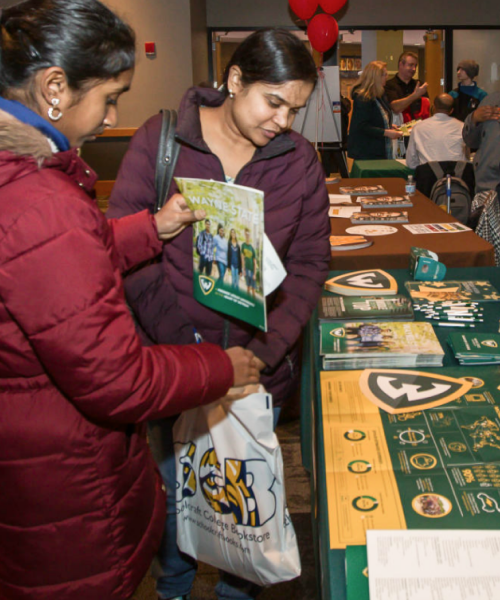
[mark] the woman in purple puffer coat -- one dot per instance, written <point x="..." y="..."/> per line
<point x="243" y="135"/>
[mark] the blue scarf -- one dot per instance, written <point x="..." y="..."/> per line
<point x="387" y="125"/>
<point x="26" y="115"/>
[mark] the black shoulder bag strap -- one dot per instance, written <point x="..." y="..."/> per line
<point x="168" y="151"/>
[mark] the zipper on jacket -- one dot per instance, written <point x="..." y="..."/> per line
<point x="225" y="334"/>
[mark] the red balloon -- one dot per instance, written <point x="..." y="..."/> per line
<point x="331" y="6"/>
<point x="304" y="9"/>
<point x="322" y="31"/>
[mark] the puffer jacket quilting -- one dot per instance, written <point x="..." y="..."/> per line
<point x="81" y="508"/>
<point x="296" y="222"/>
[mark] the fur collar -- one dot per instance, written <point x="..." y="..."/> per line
<point x="22" y="139"/>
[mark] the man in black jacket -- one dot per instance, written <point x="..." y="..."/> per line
<point x="402" y="90"/>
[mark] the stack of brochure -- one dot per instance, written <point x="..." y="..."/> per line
<point x="452" y="291"/>
<point x="362" y="190"/>
<point x="349" y="242"/>
<point x="372" y="344"/>
<point x="363" y="308"/>
<point x="475" y="348"/>
<point x="385" y="216"/>
<point x="385" y="202"/>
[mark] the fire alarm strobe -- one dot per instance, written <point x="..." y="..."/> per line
<point x="150" y="48"/>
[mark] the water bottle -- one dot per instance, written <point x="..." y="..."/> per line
<point x="410" y="186"/>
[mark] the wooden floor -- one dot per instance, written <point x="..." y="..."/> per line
<point x="297" y="485"/>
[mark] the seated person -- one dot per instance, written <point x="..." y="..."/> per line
<point x="438" y="138"/>
<point x="467" y="96"/>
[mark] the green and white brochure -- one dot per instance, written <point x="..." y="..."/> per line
<point x="228" y="248"/>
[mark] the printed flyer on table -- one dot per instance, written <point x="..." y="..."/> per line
<point x="434" y="468"/>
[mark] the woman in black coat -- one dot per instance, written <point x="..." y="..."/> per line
<point x="371" y="131"/>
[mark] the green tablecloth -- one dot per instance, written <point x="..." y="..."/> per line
<point x="330" y="564"/>
<point x="380" y="168"/>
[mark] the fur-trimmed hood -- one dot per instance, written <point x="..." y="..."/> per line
<point x="23" y="139"/>
<point x="24" y="149"/>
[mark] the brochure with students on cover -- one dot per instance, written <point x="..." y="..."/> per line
<point x="228" y="248"/>
<point x="386" y="216"/>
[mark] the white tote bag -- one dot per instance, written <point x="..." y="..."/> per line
<point x="231" y="507"/>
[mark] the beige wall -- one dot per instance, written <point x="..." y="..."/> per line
<point x="484" y="48"/>
<point x="199" y="43"/>
<point x="161" y="81"/>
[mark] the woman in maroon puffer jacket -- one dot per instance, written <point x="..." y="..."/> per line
<point x="81" y="502"/>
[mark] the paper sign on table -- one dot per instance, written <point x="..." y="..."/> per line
<point x="343" y="212"/>
<point x="423" y="228"/>
<point x="444" y="564"/>
<point x="339" y="199"/>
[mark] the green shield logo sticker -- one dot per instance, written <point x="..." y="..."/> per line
<point x="207" y="284"/>
<point x="370" y="282"/>
<point x="397" y="391"/>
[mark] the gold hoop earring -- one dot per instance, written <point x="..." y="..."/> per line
<point x="55" y="106"/>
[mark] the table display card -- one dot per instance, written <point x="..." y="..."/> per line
<point x="423" y="228"/>
<point x="343" y="212"/>
<point x="444" y="564"/>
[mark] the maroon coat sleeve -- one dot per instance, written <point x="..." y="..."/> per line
<point x="60" y="286"/>
<point x="306" y="262"/>
<point x="135" y="239"/>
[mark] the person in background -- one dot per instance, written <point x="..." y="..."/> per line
<point x="404" y="93"/>
<point x="467" y="96"/>
<point x="205" y="248"/>
<point x="241" y="134"/>
<point x="438" y="138"/>
<point x="371" y="131"/>
<point x="482" y="131"/>
<point x="220" y="246"/>
<point x="82" y="506"/>
<point x="234" y="259"/>
<point x="250" y="259"/>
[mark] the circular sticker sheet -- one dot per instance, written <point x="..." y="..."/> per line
<point x="372" y="230"/>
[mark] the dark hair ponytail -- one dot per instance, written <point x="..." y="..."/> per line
<point x="273" y="56"/>
<point x="83" y="37"/>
